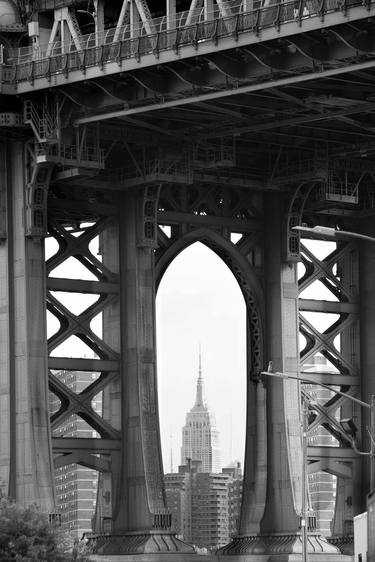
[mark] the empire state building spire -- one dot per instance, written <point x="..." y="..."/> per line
<point x="200" y="436"/>
<point x="199" y="398"/>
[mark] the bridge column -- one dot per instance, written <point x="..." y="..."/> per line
<point x="349" y="502"/>
<point x="367" y="330"/>
<point x="26" y="468"/>
<point x="141" y="520"/>
<point x="280" y="526"/>
<point x="367" y="327"/>
<point x="109" y="484"/>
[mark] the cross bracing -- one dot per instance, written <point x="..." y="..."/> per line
<point x="245" y="121"/>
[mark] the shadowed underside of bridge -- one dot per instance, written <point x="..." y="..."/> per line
<point x="150" y="128"/>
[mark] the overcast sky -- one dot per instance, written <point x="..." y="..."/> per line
<point x="200" y="303"/>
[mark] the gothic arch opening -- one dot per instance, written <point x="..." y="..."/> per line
<point x="199" y="303"/>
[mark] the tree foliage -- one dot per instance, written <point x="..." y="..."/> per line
<point x="27" y="536"/>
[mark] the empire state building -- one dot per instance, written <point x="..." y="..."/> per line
<point x="200" y="436"/>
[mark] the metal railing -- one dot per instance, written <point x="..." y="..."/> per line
<point x="154" y="167"/>
<point x="27" y="64"/>
<point x="125" y="32"/>
<point x="324" y="164"/>
<point x="214" y="157"/>
<point x="72" y="153"/>
<point x="300" y="166"/>
<point x="338" y="190"/>
<point x="53" y="4"/>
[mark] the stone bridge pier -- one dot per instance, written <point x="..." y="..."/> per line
<point x="138" y="523"/>
<point x="129" y="131"/>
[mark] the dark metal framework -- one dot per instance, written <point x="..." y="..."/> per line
<point x="339" y="345"/>
<point x="204" y="122"/>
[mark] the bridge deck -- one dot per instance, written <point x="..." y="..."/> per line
<point x="129" y="48"/>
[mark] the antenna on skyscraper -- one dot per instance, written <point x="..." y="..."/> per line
<point x="199" y="399"/>
<point x="171" y="436"/>
<point x="230" y="439"/>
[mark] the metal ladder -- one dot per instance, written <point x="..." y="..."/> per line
<point x="44" y="127"/>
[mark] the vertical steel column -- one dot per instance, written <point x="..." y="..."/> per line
<point x="367" y="331"/>
<point x="141" y="520"/>
<point x="135" y="20"/>
<point x="348" y="500"/>
<point x="110" y="483"/>
<point x="280" y="526"/>
<point x="7" y="405"/>
<point x="143" y="470"/>
<point x="99" y="22"/>
<point x="284" y="488"/>
<point x="171" y="14"/>
<point x="255" y="477"/>
<point x="26" y="459"/>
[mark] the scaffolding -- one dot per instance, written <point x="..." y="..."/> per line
<point x="340" y="187"/>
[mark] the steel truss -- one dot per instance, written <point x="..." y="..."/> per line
<point x="339" y="345"/>
<point x="207" y="127"/>
<point x="73" y="242"/>
<point x="221" y="212"/>
<point x="192" y="213"/>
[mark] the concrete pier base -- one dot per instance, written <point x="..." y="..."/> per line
<point x="280" y="547"/>
<point x="141" y="544"/>
<point x="321" y="557"/>
<point x="155" y="557"/>
<point x="177" y="557"/>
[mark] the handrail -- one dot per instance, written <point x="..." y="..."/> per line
<point x="152" y="167"/>
<point x="72" y="152"/>
<point x="97" y="50"/>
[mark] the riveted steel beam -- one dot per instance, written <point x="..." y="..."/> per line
<point x="337" y="453"/>
<point x="79" y="364"/>
<point x="64" y="445"/>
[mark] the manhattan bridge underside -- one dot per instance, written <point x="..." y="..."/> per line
<point x="149" y="127"/>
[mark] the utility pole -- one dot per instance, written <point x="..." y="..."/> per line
<point x="304" y="518"/>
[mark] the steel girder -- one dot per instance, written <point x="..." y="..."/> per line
<point x="224" y="34"/>
<point x="335" y="338"/>
<point x="105" y="360"/>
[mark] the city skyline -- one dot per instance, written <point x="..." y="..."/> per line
<point x="199" y="303"/>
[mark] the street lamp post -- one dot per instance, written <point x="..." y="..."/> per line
<point x="370" y="453"/>
<point x="327" y="233"/>
<point x="372" y="437"/>
<point x="304" y="517"/>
